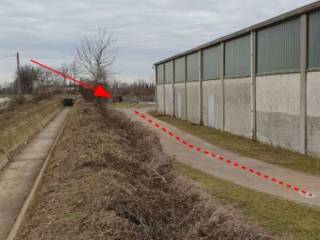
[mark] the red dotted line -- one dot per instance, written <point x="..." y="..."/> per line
<point x="221" y="158"/>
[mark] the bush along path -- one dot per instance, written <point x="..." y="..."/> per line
<point x="109" y="179"/>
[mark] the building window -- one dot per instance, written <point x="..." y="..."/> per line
<point x="193" y="67"/>
<point x="314" y="40"/>
<point x="212" y="63"/>
<point x="169" y="72"/>
<point x="278" y="48"/>
<point x="237" y="57"/>
<point x="179" y="70"/>
<point x="160" y="74"/>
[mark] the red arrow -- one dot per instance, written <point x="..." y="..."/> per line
<point x="99" y="90"/>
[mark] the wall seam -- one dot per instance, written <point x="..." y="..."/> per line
<point x="303" y="84"/>
<point x="253" y="87"/>
<point x="173" y="90"/>
<point x="200" y="87"/>
<point x="164" y="89"/>
<point x="185" y="87"/>
<point x="156" y="86"/>
<point x="222" y="85"/>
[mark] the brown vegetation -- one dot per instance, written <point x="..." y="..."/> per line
<point x="109" y="179"/>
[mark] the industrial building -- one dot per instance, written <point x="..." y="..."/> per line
<point x="262" y="82"/>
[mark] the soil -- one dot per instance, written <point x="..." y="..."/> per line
<point x="109" y="179"/>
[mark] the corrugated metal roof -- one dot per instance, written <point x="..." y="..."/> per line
<point x="308" y="8"/>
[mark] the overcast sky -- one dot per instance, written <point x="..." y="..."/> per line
<point x="146" y="30"/>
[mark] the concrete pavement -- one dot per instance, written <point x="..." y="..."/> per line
<point x="18" y="176"/>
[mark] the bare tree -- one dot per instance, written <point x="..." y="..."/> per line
<point x="27" y="77"/>
<point x="74" y="69"/>
<point x="65" y="70"/>
<point x="96" y="55"/>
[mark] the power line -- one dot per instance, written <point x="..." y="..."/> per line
<point x="8" y="56"/>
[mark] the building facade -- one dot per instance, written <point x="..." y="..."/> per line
<point x="262" y="82"/>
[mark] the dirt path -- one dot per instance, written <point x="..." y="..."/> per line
<point x="17" y="178"/>
<point x="266" y="177"/>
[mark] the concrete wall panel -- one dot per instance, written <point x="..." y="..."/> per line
<point x="278" y="109"/>
<point x="237" y="106"/>
<point x="313" y="113"/>
<point x="212" y="88"/>
<point x="179" y="89"/>
<point x="169" y="99"/>
<point x="160" y="98"/>
<point x="193" y="104"/>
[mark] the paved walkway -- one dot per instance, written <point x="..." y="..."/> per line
<point x="244" y="171"/>
<point x="18" y="176"/>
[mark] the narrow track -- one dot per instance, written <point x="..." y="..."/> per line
<point x="18" y="178"/>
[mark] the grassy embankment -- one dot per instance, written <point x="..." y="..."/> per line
<point x="276" y="215"/>
<point x="19" y="124"/>
<point x="246" y="147"/>
<point x="130" y="105"/>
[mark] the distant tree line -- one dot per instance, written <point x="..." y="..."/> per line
<point x="140" y="87"/>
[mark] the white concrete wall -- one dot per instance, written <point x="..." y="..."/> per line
<point x="193" y="102"/>
<point x="179" y="89"/>
<point x="313" y="113"/>
<point x="278" y="109"/>
<point x="169" y="99"/>
<point x="160" y="98"/>
<point x="277" y="103"/>
<point x="212" y="88"/>
<point x="238" y="106"/>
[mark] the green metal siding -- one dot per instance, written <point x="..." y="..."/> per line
<point x="169" y="72"/>
<point x="193" y="67"/>
<point x="179" y="70"/>
<point x="237" y="57"/>
<point x="212" y="63"/>
<point x="314" y="40"/>
<point x="278" y="48"/>
<point x="160" y="74"/>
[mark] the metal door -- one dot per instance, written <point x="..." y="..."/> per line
<point x="179" y="105"/>
<point x="211" y="111"/>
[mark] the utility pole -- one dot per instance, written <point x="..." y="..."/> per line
<point x="19" y="90"/>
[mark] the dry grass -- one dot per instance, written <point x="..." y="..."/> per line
<point x="247" y="147"/>
<point x="9" y="117"/>
<point x="277" y="215"/>
<point x="131" y="105"/>
<point x="109" y="179"/>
